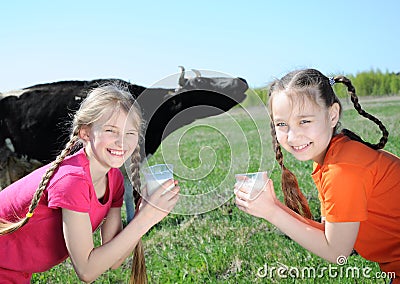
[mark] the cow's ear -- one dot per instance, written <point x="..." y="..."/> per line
<point x="84" y="133"/>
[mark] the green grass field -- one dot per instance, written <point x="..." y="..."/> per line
<point x="207" y="239"/>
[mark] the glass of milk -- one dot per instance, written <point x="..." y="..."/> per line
<point x="156" y="175"/>
<point x="252" y="181"/>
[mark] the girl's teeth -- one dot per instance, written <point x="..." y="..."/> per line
<point x="300" y="147"/>
<point x="118" y="153"/>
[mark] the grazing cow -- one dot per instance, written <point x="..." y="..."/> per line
<point x="36" y="119"/>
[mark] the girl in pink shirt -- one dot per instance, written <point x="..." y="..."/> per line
<point x="78" y="193"/>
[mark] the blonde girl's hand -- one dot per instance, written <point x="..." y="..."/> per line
<point x="261" y="204"/>
<point x="161" y="202"/>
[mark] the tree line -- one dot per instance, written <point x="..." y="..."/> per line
<point x="367" y="83"/>
<point x="372" y="83"/>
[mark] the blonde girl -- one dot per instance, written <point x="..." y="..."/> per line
<point x="358" y="183"/>
<point x="51" y="214"/>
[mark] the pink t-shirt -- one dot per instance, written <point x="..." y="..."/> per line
<point x="39" y="245"/>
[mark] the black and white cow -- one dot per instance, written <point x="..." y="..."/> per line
<point x="36" y="119"/>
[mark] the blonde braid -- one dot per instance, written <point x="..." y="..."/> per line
<point x="50" y="171"/>
<point x="138" y="272"/>
<point x="135" y="176"/>
<point x="6" y="228"/>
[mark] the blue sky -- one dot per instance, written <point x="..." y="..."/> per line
<point x="145" y="41"/>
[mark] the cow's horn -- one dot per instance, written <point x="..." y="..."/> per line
<point x="182" y="80"/>
<point x="197" y="72"/>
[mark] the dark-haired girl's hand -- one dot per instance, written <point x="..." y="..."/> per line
<point x="262" y="205"/>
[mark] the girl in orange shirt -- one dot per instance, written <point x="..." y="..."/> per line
<point x="358" y="183"/>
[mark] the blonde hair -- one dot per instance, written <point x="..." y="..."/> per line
<point x="97" y="103"/>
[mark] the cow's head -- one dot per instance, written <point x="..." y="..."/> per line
<point x="195" y="98"/>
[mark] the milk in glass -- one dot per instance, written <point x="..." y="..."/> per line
<point x="156" y="175"/>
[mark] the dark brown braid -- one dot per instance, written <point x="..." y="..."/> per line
<point x="293" y="197"/>
<point x="138" y="273"/>
<point x="352" y="92"/>
<point x="11" y="227"/>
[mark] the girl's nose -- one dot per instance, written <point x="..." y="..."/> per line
<point x="292" y="134"/>
<point x="119" y="140"/>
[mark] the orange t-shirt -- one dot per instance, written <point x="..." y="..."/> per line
<point x="358" y="184"/>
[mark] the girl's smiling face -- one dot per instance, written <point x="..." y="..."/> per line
<point x="303" y="127"/>
<point x="111" y="140"/>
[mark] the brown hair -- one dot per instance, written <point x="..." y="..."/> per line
<point x="97" y="103"/>
<point x="318" y="88"/>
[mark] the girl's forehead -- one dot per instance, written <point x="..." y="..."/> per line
<point x="108" y="115"/>
<point x="285" y="103"/>
<point x="116" y="118"/>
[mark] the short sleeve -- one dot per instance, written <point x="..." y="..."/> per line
<point x="321" y="201"/>
<point x="70" y="192"/>
<point x="344" y="193"/>
<point x="118" y="188"/>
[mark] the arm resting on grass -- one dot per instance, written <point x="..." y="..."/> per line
<point x="337" y="239"/>
<point x="327" y="240"/>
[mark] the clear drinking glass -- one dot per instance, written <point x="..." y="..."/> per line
<point x="156" y="175"/>
<point x="252" y="181"/>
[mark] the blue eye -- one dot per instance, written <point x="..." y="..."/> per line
<point x="304" y="121"/>
<point x="280" y="124"/>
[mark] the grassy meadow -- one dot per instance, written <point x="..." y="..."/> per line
<point x="207" y="239"/>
